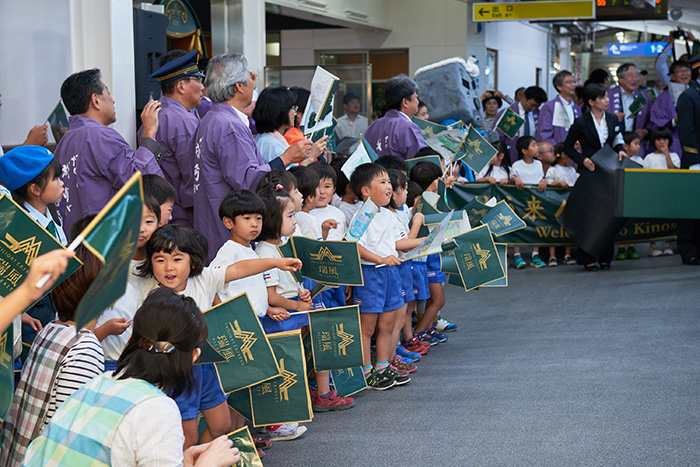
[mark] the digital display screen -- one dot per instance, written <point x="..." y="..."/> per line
<point x="617" y="10"/>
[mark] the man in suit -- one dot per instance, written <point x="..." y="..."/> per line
<point x="622" y="97"/>
<point x="527" y="108"/>
<point x="688" y="108"/>
<point x="557" y="115"/>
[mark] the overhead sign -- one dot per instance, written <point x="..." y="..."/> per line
<point x="635" y="49"/>
<point x="580" y="9"/>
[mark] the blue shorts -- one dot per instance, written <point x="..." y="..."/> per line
<point x="382" y="290"/>
<point x="334" y="298"/>
<point x="406" y="274"/>
<point x="434" y="274"/>
<point x="421" y="291"/>
<point x="206" y="393"/>
<point x="295" y="321"/>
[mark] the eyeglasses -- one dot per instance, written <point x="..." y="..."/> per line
<point x="196" y="78"/>
<point x="155" y="347"/>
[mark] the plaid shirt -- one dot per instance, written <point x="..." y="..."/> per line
<point x="32" y="398"/>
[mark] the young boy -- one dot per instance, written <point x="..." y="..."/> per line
<point x="528" y="171"/>
<point x="381" y="297"/>
<point x="307" y="184"/>
<point x="164" y="193"/>
<point x="345" y="198"/>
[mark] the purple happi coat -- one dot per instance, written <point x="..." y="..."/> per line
<point x="395" y="135"/>
<point x="663" y="113"/>
<point x="546" y="131"/>
<point x="95" y="163"/>
<point x="640" y="120"/>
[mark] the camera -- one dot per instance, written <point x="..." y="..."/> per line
<point x="679" y="33"/>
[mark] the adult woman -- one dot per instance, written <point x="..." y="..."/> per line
<point x="594" y="130"/>
<point x="126" y="418"/>
<point x="490" y="103"/>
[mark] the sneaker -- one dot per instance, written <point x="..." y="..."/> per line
<point x="536" y="262"/>
<point x="621" y="254"/>
<point x="654" y="252"/>
<point x="261" y="454"/>
<point x="405" y="360"/>
<point x="569" y="261"/>
<point x="518" y="262"/>
<point x="425" y="337"/>
<point x="402" y="351"/>
<point x="402" y="366"/>
<point x="445" y="326"/>
<point x="334" y="401"/>
<point x="415" y="345"/>
<point x="438" y="335"/>
<point x="552" y="263"/>
<point x="379" y="381"/>
<point x="632" y="253"/>
<point x="286" y="432"/>
<point x="399" y="380"/>
<point x="262" y="444"/>
<point x="668" y="249"/>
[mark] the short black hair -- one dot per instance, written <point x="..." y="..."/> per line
<point x="501" y="148"/>
<point x="629" y="136"/>
<point x="398" y="180"/>
<point x="537" y="93"/>
<point x="414" y="190"/>
<point x="491" y="97"/>
<point x="169" y="237"/>
<point x="392" y="162"/>
<point x="275" y="199"/>
<point x="597" y="76"/>
<point x="324" y="171"/>
<point x="50" y="172"/>
<point x="341" y="181"/>
<point x="559" y="149"/>
<point x="593" y="91"/>
<point x="240" y="202"/>
<point x="679" y="64"/>
<point x="661" y="133"/>
<point x="79" y="226"/>
<point x="397" y="89"/>
<point x="272" y="109"/>
<point x="78" y="88"/>
<point x="279" y="177"/>
<point x="425" y="173"/>
<point x="350" y="96"/>
<point x="363" y="176"/>
<point x="158" y="187"/>
<point x="301" y="97"/>
<point x="522" y="144"/>
<point x="169" y="87"/>
<point x="153" y="205"/>
<point x="307" y="180"/>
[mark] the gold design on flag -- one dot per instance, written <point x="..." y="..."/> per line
<point x="511" y="120"/>
<point x="561" y="209"/>
<point x="428" y="131"/>
<point x="5" y="357"/>
<point x="288" y="380"/>
<point x="476" y="146"/>
<point x="506" y="219"/>
<point x="325" y="252"/>
<point x="534" y="206"/>
<point x="346" y="338"/>
<point x="246" y="337"/>
<point x="484" y="256"/>
<point x="29" y="246"/>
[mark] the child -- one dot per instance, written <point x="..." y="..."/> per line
<point x="380" y="299"/>
<point x="561" y="174"/>
<point x="661" y="159"/>
<point x="631" y="146"/>
<point x="345" y="198"/>
<point x="289" y="183"/>
<point x="528" y="171"/>
<point x="175" y="258"/>
<point x="164" y="194"/>
<point x="546" y="155"/>
<point x="498" y="170"/>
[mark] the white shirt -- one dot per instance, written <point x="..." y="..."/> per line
<point x="569" y="108"/>
<point x="658" y="161"/>
<point x="530" y="174"/>
<point x="331" y="212"/>
<point x="627" y="100"/>
<point x="283" y="281"/>
<point x="232" y="252"/>
<point x="497" y="172"/>
<point x="531" y="119"/>
<point x="44" y="219"/>
<point x="402" y="227"/>
<point x="307" y="226"/>
<point x="381" y="235"/>
<point x="203" y="287"/>
<point x="242" y="116"/>
<point x="345" y="127"/>
<point x="559" y="173"/>
<point x="349" y="210"/>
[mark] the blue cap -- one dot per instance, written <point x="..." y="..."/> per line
<point x="179" y="68"/>
<point x="23" y="164"/>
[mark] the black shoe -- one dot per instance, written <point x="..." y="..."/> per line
<point x="399" y="380"/>
<point x="379" y="381"/>
<point x="592" y="267"/>
<point x="604" y="266"/>
<point x="692" y="261"/>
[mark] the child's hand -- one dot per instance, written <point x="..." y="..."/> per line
<point x="348" y="293"/>
<point x="563" y="184"/>
<point x="503" y="181"/>
<point x="289" y="264"/>
<point x="302" y="305"/>
<point x="518" y="183"/>
<point x="33" y="322"/>
<point x="542" y="185"/>
<point x="114" y="327"/>
<point x="450" y="181"/>
<point x="491" y="180"/>
<point x="329" y="224"/>
<point x="305" y="295"/>
<point x="390" y="260"/>
<point x="277" y="313"/>
<point x="622" y="154"/>
<point x="418" y="218"/>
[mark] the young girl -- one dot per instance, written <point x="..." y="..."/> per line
<point x="175" y="258"/>
<point x="561" y="174"/>
<point x="661" y="159"/>
<point x="631" y="146"/>
<point x="498" y="170"/>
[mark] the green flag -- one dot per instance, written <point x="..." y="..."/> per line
<point x="22" y="239"/>
<point x="58" y="121"/>
<point x="112" y="236"/>
<point x="7" y="374"/>
<point x="364" y="154"/>
<point x="477" y="210"/>
<point x="246" y="446"/>
<point x="241" y="403"/>
<point x="237" y="345"/>
<point x="348" y="381"/>
<point x="454" y="279"/>
<point x="478" y="152"/>
<point x="477" y="259"/>
<point x="284" y="399"/>
<point x="435" y="159"/>
<point x="637" y="104"/>
<point x="329" y="262"/>
<point x="510" y="123"/>
<point x="427" y="128"/>
<point x="502" y="249"/>
<point x="287" y="251"/>
<point x="502" y="220"/>
<point x="308" y="353"/>
<point x="336" y="338"/>
<point x="320" y="103"/>
<point x="447" y="143"/>
<point x="441" y="203"/>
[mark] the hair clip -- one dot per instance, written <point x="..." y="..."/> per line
<point x="155" y="347"/>
<point x="279" y="187"/>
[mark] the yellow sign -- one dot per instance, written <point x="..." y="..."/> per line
<point x="580" y="9"/>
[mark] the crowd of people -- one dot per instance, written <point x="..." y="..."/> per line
<point x="226" y="181"/>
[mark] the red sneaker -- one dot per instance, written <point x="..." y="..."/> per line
<point x="414" y="345"/>
<point x="334" y="401"/>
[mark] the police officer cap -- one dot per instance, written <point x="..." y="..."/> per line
<point x="23" y="164"/>
<point x="179" y="68"/>
<point x="695" y="61"/>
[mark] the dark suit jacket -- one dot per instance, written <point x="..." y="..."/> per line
<point x="583" y="130"/>
<point x="688" y="109"/>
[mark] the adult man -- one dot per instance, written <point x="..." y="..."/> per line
<point x="528" y="109"/>
<point x="557" y="115"/>
<point x="96" y="161"/>
<point x="689" y="133"/>
<point x="352" y="124"/>
<point x="663" y="111"/>
<point x="181" y="84"/>
<point x="395" y="134"/>
<point x="226" y="156"/>
<point x="622" y="96"/>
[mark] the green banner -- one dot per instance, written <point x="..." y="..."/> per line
<point x="22" y="239"/>
<point x="428" y="129"/>
<point x="246" y="446"/>
<point x="284" y="399"/>
<point x="237" y="345"/>
<point x="637" y="104"/>
<point x="539" y="211"/>
<point x="112" y="237"/>
<point x="336" y="338"/>
<point x="308" y="353"/>
<point x="7" y="374"/>
<point x="477" y="259"/>
<point x="502" y="220"/>
<point x="330" y="262"/>
<point x="478" y="152"/>
<point x="241" y="403"/>
<point x="435" y="159"/>
<point x="510" y="123"/>
<point x="348" y="381"/>
<point x="58" y="121"/>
